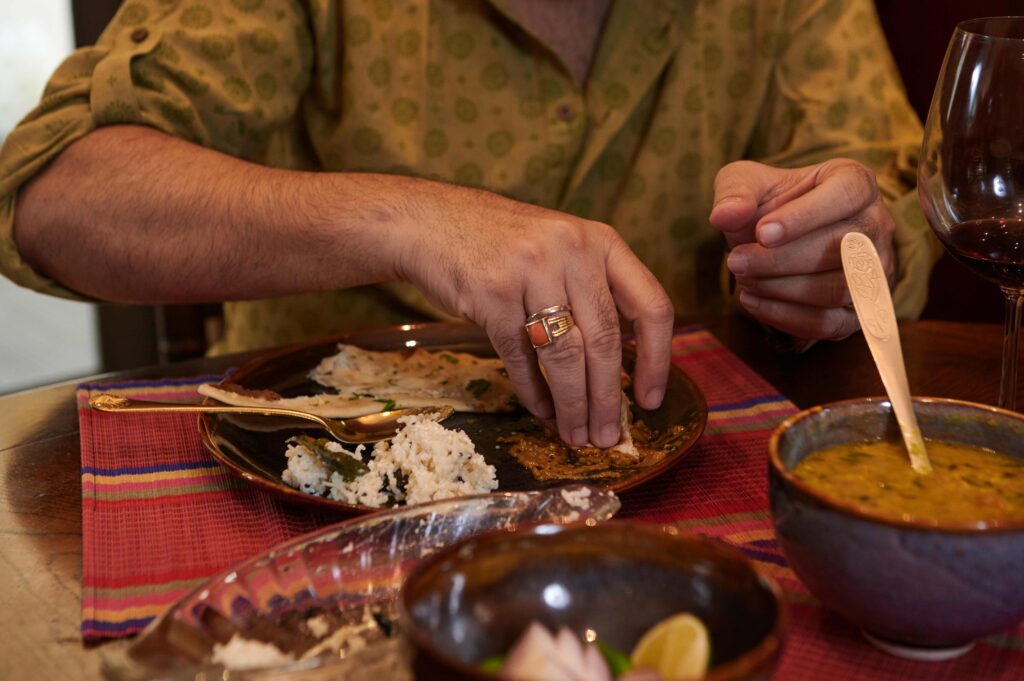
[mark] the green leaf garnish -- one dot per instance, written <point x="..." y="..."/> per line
<point x="492" y="665"/>
<point x="478" y="386"/>
<point x="448" y="358"/>
<point x="342" y="464"/>
<point x="389" y="405"/>
<point x="618" y="662"/>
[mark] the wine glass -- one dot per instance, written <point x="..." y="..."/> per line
<point x="971" y="175"/>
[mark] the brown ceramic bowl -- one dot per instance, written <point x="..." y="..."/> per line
<point x="918" y="587"/>
<point x="473" y="600"/>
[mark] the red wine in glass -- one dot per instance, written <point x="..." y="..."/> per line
<point x="971" y="173"/>
<point x="993" y="248"/>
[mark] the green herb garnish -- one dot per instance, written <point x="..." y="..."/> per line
<point x="492" y="665"/>
<point x="618" y="662"/>
<point x="344" y="465"/>
<point x="478" y="386"/>
<point x="389" y="405"/>
<point x="448" y="358"/>
<point x="856" y="457"/>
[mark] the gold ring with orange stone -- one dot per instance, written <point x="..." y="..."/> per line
<point x="544" y="326"/>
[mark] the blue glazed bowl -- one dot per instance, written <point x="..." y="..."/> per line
<point x="912" y="584"/>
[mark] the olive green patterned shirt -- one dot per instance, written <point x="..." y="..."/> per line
<point x="458" y="91"/>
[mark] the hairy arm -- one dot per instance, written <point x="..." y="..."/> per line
<point x="130" y="214"/>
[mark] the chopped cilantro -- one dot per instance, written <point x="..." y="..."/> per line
<point x="478" y="386"/>
<point x="448" y="358"/>
<point x="389" y="405"/>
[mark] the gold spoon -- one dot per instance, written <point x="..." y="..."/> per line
<point x="871" y="299"/>
<point x="356" y="430"/>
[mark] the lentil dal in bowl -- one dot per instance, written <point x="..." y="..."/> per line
<point x="919" y="585"/>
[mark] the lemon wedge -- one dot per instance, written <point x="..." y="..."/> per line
<point x="678" y="647"/>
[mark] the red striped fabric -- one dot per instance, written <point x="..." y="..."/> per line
<point x="160" y="516"/>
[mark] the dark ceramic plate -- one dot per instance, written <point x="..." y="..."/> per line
<point x="258" y="457"/>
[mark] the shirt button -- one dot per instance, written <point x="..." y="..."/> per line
<point x="139" y="34"/>
<point x="565" y="112"/>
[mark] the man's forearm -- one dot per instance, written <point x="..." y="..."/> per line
<point x="129" y="214"/>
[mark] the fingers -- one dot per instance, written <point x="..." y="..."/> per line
<point x="785" y="229"/>
<point x="841" y="191"/>
<point x="516" y="352"/>
<point x="583" y="366"/>
<point x="598" y="320"/>
<point x="827" y="289"/>
<point x="816" y="251"/>
<point x="563" y="362"/>
<point x="743" y="190"/>
<point x="642" y="300"/>
<point x="802" y="321"/>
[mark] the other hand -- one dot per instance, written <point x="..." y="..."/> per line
<point x="785" y="227"/>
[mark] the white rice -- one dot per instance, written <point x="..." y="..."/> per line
<point x="434" y="462"/>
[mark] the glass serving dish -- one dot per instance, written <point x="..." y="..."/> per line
<point x="329" y="599"/>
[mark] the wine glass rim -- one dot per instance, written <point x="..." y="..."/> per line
<point x="975" y="26"/>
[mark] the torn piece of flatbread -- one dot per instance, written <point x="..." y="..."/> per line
<point x="625" y="445"/>
<point x="367" y="382"/>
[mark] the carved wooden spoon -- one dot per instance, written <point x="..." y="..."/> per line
<point x="871" y="299"/>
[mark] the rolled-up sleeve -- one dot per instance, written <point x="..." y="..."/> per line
<point x="229" y="75"/>
<point x="835" y="92"/>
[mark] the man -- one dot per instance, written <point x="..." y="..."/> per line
<point x="181" y="159"/>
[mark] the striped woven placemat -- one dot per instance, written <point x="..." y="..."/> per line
<point x="160" y="516"/>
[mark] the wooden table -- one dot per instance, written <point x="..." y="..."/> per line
<point x="40" y="486"/>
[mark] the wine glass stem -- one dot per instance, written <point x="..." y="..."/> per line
<point x="1011" y="335"/>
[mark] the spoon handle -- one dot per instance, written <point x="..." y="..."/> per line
<point x="116" y="403"/>
<point x="869" y="290"/>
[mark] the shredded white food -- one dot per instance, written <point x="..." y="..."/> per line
<point x="578" y="498"/>
<point x="243" y="653"/>
<point x="423" y="462"/>
<point x="348" y="639"/>
<point x="319" y="626"/>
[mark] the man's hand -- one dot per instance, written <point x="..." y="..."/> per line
<point x="496" y="261"/>
<point x="785" y="227"/>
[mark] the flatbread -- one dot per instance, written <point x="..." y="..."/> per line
<point x="367" y="382"/>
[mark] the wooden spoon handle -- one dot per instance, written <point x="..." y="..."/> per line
<point x="870" y="292"/>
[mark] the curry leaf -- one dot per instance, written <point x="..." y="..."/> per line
<point x="349" y="468"/>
